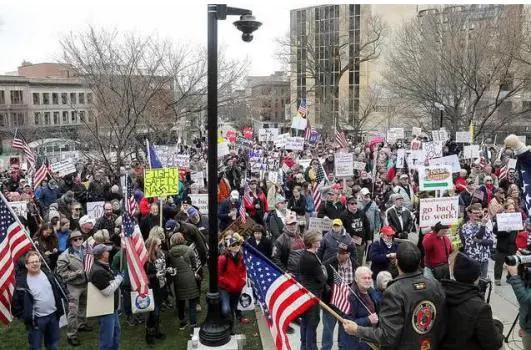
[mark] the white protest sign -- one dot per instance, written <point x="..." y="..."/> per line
<point x="20" y="208"/>
<point x="198" y="178"/>
<point x="443" y="209"/>
<point x="522" y="138"/>
<point x="415" y="158"/>
<point x="400" y="158"/>
<point x="295" y="143"/>
<point x="304" y="163"/>
<point x="511" y="163"/>
<point x="223" y="149"/>
<point x="344" y="166"/>
<point x="394" y="134"/>
<point x="280" y="140"/>
<point x="200" y="201"/>
<point x="64" y="167"/>
<point x="320" y="224"/>
<point x="435" y="177"/>
<point x="451" y="160"/>
<point x="182" y="161"/>
<point x="273" y="177"/>
<point x="299" y="123"/>
<point x="463" y="137"/>
<point x="267" y="134"/>
<point x="169" y="156"/>
<point x="432" y="149"/>
<point x="471" y="152"/>
<point x="509" y="222"/>
<point x="439" y="135"/>
<point x="95" y="209"/>
<point x="416" y="131"/>
<point x="359" y="165"/>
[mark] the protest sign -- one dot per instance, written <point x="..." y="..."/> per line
<point x="439" y="135"/>
<point x="242" y="142"/>
<point x="435" y="177"/>
<point x="314" y="137"/>
<point x="416" y="131"/>
<point x="169" y="156"/>
<point x="522" y="138"/>
<point x="64" y="167"/>
<point x="415" y="158"/>
<point x="463" y="137"/>
<point x="400" y="158"/>
<point x="20" y="208"/>
<point x="223" y="149"/>
<point x="443" y="209"/>
<point x="432" y="149"/>
<point x="305" y="163"/>
<point x="200" y="201"/>
<point x="320" y="224"/>
<point x="394" y="134"/>
<point x="267" y="134"/>
<point x="299" y="123"/>
<point x="198" y="178"/>
<point x="511" y="163"/>
<point x="344" y="166"/>
<point x="508" y="222"/>
<point x="273" y="177"/>
<point x="97" y="303"/>
<point x="471" y="152"/>
<point x="247" y="132"/>
<point x="161" y="182"/>
<point x="452" y="161"/>
<point x="280" y="140"/>
<point x="230" y="135"/>
<point x="359" y="165"/>
<point x="95" y="209"/>
<point x="295" y="143"/>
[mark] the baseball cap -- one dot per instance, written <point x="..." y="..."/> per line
<point x="365" y="191"/>
<point x="351" y="200"/>
<point x="337" y="222"/>
<point x="396" y="196"/>
<point x="387" y="230"/>
<point x="85" y="219"/>
<point x="100" y="248"/>
<point x="291" y="219"/>
<point x="187" y="200"/>
<point x="192" y="211"/>
<point x="280" y="198"/>
<point x="172" y="225"/>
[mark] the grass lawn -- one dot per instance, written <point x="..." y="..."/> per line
<point x="15" y="337"/>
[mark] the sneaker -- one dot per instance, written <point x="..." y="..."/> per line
<point x="73" y="341"/>
<point x="497" y="282"/>
<point x="183" y="325"/>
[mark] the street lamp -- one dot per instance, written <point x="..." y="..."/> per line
<point x="215" y="331"/>
<point x="441" y="109"/>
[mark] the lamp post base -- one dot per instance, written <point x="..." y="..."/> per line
<point x="215" y="331"/>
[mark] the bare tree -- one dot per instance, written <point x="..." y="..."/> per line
<point x="464" y="61"/>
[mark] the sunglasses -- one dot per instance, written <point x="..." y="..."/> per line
<point x="77" y="239"/>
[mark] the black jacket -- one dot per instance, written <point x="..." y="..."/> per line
<point x="101" y="276"/>
<point x="407" y="220"/>
<point x="412" y="313"/>
<point x="312" y="273"/>
<point x="298" y="206"/>
<point x="470" y="325"/>
<point x="265" y="246"/>
<point x="357" y="224"/>
<point x="331" y="210"/>
<point x="506" y="241"/>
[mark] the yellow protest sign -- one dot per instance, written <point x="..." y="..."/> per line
<point x="161" y="182"/>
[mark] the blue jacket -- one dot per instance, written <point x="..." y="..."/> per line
<point x="360" y="315"/>
<point x="223" y="213"/>
<point x="523" y="295"/>
<point x="46" y="196"/>
<point x="377" y="254"/>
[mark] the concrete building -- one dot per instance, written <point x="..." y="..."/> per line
<point x="267" y="97"/>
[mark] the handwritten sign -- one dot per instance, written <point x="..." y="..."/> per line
<point x="267" y="134"/>
<point x="400" y="158"/>
<point x="242" y="142"/>
<point x="435" y="177"/>
<point x="451" y="160"/>
<point x="200" y="201"/>
<point x="359" y="165"/>
<point x="344" y="164"/>
<point x="509" y="222"/>
<point x="280" y="140"/>
<point x="161" y="182"/>
<point x="95" y="209"/>
<point x="295" y="143"/>
<point x="320" y="224"/>
<point x="169" y="156"/>
<point x="463" y="137"/>
<point x="394" y="134"/>
<point x="20" y="208"/>
<point x="198" y="178"/>
<point x="432" y="149"/>
<point x="471" y="152"/>
<point x="443" y="209"/>
<point x="415" y="158"/>
<point x="439" y="135"/>
<point x="64" y="167"/>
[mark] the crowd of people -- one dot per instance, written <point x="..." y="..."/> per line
<point x="411" y="287"/>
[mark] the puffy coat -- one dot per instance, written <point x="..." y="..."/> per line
<point x="231" y="273"/>
<point x="181" y="257"/>
<point x="71" y="269"/>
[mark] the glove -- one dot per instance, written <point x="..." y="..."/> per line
<point x="119" y="277"/>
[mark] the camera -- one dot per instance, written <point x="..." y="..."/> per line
<point x="513" y="260"/>
<point x="247" y="25"/>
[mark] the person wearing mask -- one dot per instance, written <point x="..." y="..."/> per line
<point x="469" y="318"/>
<point x="404" y="320"/>
<point x="288" y="247"/>
<point x="297" y="202"/>
<point x="437" y="250"/>
<point x="107" y="220"/>
<point x="313" y="277"/>
<point x="405" y="189"/>
<point x="71" y="269"/>
<point x="259" y="241"/>
<point x="477" y="238"/>
<point x="103" y="278"/>
<point x="400" y="218"/>
<point x="505" y="245"/>
<point x="357" y="226"/>
<point x="229" y="210"/>
<point x="364" y="306"/>
<point x="383" y="253"/>
<point x="332" y="207"/>
<point x="37" y="301"/>
<point x="276" y="219"/>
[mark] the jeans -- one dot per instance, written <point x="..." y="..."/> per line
<point x="46" y="327"/>
<point x="329" y="323"/>
<point x="360" y="252"/>
<point x="77" y="302"/>
<point x="109" y="331"/>
<point x="192" y="312"/>
<point x="229" y="305"/>
<point x="498" y="265"/>
<point x="309" y="322"/>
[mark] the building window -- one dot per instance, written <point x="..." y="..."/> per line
<point x="3" y="119"/>
<point x="73" y="117"/>
<point x="81" y="98"/>
<point x="64" y="98"/>
<point x="37" y="118"/>
<point x="65" y="117"/>
<point x="17" y="118"/>
<point x="55" y="98"/>
<point x="46" y="118"/>
<point x="36" y="98"/>
<point x="45" y="98"/>
<point x="82" y="116"/>
<point x="2" y="97"/>
<point x="56" y="118"/>
<point x="16" y="97"/>
<point x="73" y="98"/>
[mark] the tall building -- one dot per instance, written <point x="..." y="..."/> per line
<point x="267" y="97"/>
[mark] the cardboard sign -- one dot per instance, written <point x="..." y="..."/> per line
<point x="200" y="201"/>
<point x="435" y="177"/>
<point x="223" y="149"/>
<point x="97" y="303"/>
<point x="265" y="135"/>
<point x="95" y="209"/>
<point x="161" y="182"/>
<point x="443" y="209"/>
<point x="509" y="222"/>
<point x="343" y="164"/>
<point x="198" y="178"/>
<point x="359" y="165"/>
<point x="64" y="168"/>
<point x="416" y="131"/>
<point x="511" y="163"/>
<point x="432" y="149"/>
<point x="463" y="137"/>
<point x="20" y="208"/>
<point x="295" y="143"/>
<point x="400" y="158"/>
<point x="320" y="224"/>
<point x="471" y="152"/>
<point x="280" y="140"/>
<point x="452" y="161"/>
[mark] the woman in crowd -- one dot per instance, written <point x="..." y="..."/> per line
<point x="297" y="202"/>
<point x="63" y="234"/>
<point x="260" y="241"/>
<point x="382" y="280"/>
<point x="46" y="242"/>
<point x="505" y="245"/>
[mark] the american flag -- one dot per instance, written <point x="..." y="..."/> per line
<point x="503" y="172"/>
<point x="320" y="180"/>
<point x="282" y="299"/>
<point x="246" y="198"/>
<point x="341" y="140"/>
<point x="89" y="257"/>
<point x="136" y="254"/>
<point x="43" y="169"/>
<point x="22" y="145"/>
<point x="303" y="108"/>
<point x="309" y="131"/>
<point x="131" y="204"/>
<point x="13" y="244"/>
<point x="340" y="294"/>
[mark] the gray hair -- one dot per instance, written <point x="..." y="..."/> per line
<point x="361" y="270"/>
<point x="382" y="279"/>
<point x="311" y="237"/>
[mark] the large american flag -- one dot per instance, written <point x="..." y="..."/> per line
<point x="136" y="254"/>
<point x="21" y="144"/>
<point x="43" y="169"/>
<point x="89" y="257"/>
<point x="130" y="202"/>
<point x="316" y="195"/>
<point x="303" y="108"/>
<point x="13" y="244"/>
<point x="282" y="299"/>
<point x="341" y="139"/>
<point x="340" y="294"/>
<point x="246" y="198"/>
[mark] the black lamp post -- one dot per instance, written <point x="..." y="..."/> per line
<point x="215" y="331"/>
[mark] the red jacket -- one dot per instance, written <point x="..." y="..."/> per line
<point x="250" y="205"/>
<point x="145" y="205"/>
<point x="231" y="274"/>
<point x="521" y="240"/>
<point x="435" y="252"/>
<point x="460" y="184"/>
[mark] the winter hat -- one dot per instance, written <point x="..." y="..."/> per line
<point x="466" y="270"/>
<point x="192" y="212"/>
<point x="138" y="195"/>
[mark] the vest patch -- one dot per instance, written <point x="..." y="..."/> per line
<point x="423" y="317"/>
<point x="419" y="286"/>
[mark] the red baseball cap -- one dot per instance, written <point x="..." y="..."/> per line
<point x="387" y="230"/>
